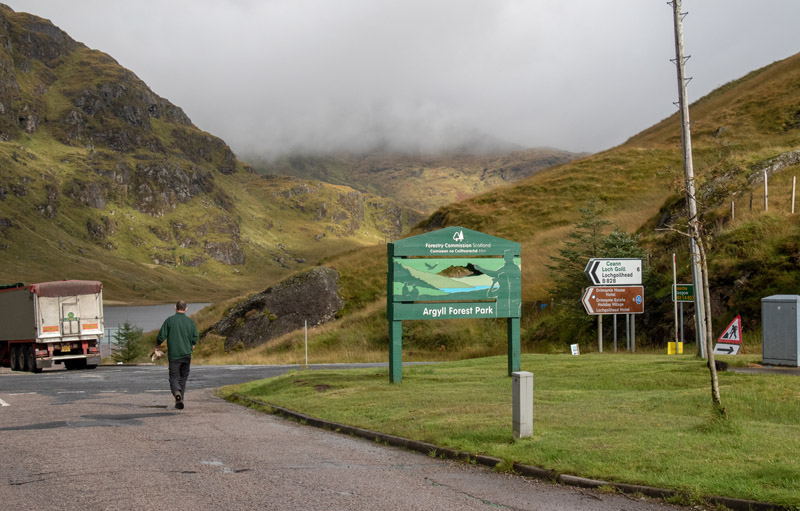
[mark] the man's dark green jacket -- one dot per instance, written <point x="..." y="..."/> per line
<point x="180" y="332"/>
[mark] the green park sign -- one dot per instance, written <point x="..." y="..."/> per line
<point x="453" y="273"/>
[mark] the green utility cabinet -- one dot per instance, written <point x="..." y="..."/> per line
<point x="780" y="330"/>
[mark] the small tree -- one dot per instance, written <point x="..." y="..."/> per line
<point x="127" y="338"/>
<point x="584" y="242"/>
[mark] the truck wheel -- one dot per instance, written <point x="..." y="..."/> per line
<point x="13" y="358"/>
<point x="30" y="359"/>
<point x="22" y="361"/>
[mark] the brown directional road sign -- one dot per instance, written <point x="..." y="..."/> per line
<point x="613" y="300"/>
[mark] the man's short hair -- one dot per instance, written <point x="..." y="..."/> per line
<point x="181" y="306"/>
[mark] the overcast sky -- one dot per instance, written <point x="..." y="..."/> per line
<point x="274" y="76"/>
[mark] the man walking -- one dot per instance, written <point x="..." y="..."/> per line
<point x="180" y="332"/>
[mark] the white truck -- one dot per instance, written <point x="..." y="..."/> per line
<point x="50" y="323"/>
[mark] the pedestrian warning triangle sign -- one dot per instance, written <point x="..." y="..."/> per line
<point x="732" y="334"/>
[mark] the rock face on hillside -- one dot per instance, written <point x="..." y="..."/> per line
<point x="85" y="97"/>
<point x="312" y="296"/>
<point x="127" y="146"/>
<point x="102" y="168"/>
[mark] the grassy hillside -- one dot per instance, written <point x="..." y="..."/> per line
<point x="100" y="178"/>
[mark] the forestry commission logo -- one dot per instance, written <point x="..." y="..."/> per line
<point x="458" y="236"/>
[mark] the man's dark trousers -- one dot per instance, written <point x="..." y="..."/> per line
<point x="178" y="374"/>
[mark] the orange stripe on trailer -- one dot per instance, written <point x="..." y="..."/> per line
<point x="90" y="326"/>
<point x="50" y="328"/>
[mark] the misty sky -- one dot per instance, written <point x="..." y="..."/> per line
<point x="276" y="76"/>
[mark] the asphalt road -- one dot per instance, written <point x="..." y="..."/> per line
<point x="110" y="438"/>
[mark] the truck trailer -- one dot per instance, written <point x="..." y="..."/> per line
<point x="50" y="323"/>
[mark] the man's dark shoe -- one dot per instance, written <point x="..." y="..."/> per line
<point x="178" y="402"/>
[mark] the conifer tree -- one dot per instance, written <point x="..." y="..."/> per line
<point x="127" y="339"/>
<point x="584" y="242"/>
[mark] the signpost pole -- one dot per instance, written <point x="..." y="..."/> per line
<point x="513" y="345"/>
<point x="395" y="327"/>
<point x="628" y="332"/>
<point x="675" y="296"/>
<point x="600" y="333"/>
<point x="615" y="333"/>
<point x="396" y="351"/>
<point x="681" y="321"/>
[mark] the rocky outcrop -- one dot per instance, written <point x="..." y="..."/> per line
<point x="49" y="207"/>
<point x="204" y="148"/>
<point x="226" y="252"/>
<point x="100" y="103"/>
<point x="89" y="193"/>
<point x="160" y="187"/>
<point x="312" y="296"/>
<point x="99" y="230"/>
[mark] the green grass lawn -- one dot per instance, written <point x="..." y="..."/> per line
<point x="645" y="419"/>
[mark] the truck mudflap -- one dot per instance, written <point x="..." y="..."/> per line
<point x="77" y="361"/>
<point x="44" y="363"/>
<point x="91" y="361"/>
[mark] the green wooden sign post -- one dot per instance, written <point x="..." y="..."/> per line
<point x="453" y="273"/>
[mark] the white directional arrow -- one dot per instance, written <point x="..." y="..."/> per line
<point x="726" y="349"/>
<point x="587" y="304"/>
<point x="591" y="271"/>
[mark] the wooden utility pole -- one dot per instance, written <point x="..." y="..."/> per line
<point x="688" y="170"/>
<point x="697" y="251"/>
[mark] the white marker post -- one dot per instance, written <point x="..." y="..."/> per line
<point x="522" y="397"/>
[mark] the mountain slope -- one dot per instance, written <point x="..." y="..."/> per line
<point x="422" y="182"/>
<point x="101" y="178"/>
